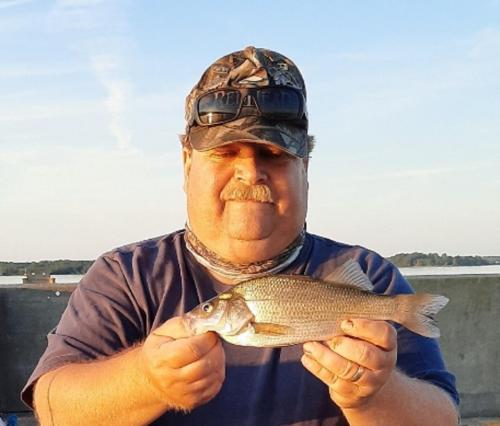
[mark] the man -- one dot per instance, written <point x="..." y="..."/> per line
<point x="122" y="354"/>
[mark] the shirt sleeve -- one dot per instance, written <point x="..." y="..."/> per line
<point x="102" y="318"/>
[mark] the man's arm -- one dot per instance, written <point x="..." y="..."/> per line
<point x="360" y="371"/>
<point x="171" y="370"/>
<point x="103" y="392"/>
<point x="408" y="402"/>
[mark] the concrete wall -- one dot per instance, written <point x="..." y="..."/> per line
<point x="470" y="327"/>
<point x="26" y="316"/>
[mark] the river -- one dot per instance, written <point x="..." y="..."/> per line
<point x="451" y="270"/>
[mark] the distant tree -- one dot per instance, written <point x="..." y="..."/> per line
<point x="434" y="259"/>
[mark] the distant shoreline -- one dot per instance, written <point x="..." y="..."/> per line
<point x="416" y="259"/>
<point x="45" y="267"/>
<point x="401" y="260"/>
<point x="408" y="272"/>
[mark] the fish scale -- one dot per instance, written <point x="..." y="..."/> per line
<point x="280" y="310"/>
<point x="312" y="309"/>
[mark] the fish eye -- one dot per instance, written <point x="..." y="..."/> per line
<point x="207" y="307"/>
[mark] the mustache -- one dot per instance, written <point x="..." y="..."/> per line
<point x="237" y="191"/>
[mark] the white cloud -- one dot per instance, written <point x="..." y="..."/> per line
<point x="87" y="16"/>
<point x="77" y="3"/>
<point x="19" y="23"/>
<point x="107" y="68"/>
<point x="353" y="56"/>
<point x="116" y="105"/>
<point x="399" y="84"/>
<point x="417" y="173"/>
<point x="12" y="3"/>
<point x="47" y="111"/>
<point x="78" y="15"/>
<point x="486" y="44"/>
<point x="35" y="70"/>
<point x="105" y="24"/>
<point x="105" y="52"/>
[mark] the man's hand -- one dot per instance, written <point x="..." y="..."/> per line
<point x="187" y="370"/>
<point x="357" y="365"/>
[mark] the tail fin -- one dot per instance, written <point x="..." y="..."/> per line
<point x="416" y="312"/>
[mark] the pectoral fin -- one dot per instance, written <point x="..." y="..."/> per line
<point x="272" y="329"/>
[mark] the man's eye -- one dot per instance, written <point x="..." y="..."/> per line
<point x="222" y="153"/>
<point x="277" y="154"/>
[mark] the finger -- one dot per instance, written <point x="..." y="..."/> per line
<point x="212" y="362"/>
<point x="179" y="353"/>
<point x="344" y="394"/>
<point x="175" y="328"/>
<point x="211" y="391"/>
<point x="344" y="388"/>
<point x="379" y="333"/>
<point x="201" y="391"/>
<point x="332" y="361"/>
<point x="334" y="382"/>
<point x="205" y="383"/>
<point x="320" y="371"/>
<point x="361" y="352"/>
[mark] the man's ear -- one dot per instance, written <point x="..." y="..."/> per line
<point x="305" y="163"/>
<point x="186" y="161"/>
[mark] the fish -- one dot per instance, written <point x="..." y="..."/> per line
<point x="282" y="310"/>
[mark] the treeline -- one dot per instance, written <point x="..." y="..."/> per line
<point x="435" y="259"/>
<point x="79" y="267"/>
<point x="49" y="267"/>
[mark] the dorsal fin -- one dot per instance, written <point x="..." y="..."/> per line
<point x="351" y="274"/>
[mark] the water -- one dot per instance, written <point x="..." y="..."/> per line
<point x="451" y="270"/>
<point x="413" y="271"/>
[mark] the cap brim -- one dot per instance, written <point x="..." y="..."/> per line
<point x="291" y="139"/>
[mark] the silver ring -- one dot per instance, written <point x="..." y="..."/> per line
<point x="357" y="375"/>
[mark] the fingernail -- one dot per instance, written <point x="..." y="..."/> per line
<point x="308" y="348"/>
<point x="332" y="344"/>
<point x="306" y="360"/>
<point x="347" y="325"/>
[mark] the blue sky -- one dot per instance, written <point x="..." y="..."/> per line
<point x="404" y="99"/>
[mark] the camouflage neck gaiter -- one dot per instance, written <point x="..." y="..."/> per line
<point x="238" y="272"/>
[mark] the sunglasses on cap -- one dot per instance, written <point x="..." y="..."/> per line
<point x="220" y="106"/>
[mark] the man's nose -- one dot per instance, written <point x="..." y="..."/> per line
<point x="250" y="170"/>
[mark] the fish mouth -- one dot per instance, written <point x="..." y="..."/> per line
<point x="190" y="323"/>
<point x="197" y="325"/>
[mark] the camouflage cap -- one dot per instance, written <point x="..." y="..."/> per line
<point x="251" y="67"/>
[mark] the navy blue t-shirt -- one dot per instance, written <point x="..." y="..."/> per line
<point x="132" y="290"/>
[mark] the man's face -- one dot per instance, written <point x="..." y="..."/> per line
<point x="234" y="225"/>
